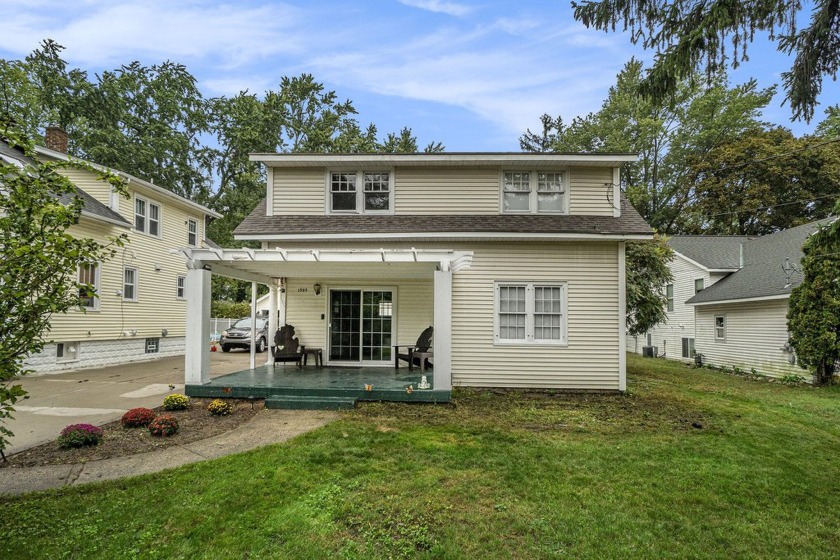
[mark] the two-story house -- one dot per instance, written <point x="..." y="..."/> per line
<point x="139" y="309"/>
<point x="516" y="260"/>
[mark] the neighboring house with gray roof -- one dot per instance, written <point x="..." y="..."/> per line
<point x="139" y="309"/>
<point x="740" y="318"/>
<point x="515" y="259"/>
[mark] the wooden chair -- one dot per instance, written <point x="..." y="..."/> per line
<point x="286" y="347"/>
<point x="423" y="346"/>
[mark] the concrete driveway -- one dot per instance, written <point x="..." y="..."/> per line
<point x="98" y="396"/>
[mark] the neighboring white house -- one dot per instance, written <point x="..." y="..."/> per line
<point x="517" y="260"/>
<point x="140" y="307"/>
<point x="740" y="319"/>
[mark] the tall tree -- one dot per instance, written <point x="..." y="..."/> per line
<point x="40" y="257"/>
<point x="830" y="126"/>
<point x="690" y="35"/>
<point x="814" y="309"/>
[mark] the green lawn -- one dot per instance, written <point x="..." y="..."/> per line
<point x="495" y="475"/>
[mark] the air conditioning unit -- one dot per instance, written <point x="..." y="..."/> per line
<point x="650" y="351"/>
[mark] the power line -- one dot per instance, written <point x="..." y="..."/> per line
<point x="756" y="209"/>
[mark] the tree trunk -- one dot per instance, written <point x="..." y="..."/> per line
<point x="824" y="374"/>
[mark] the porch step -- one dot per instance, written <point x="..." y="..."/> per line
<point x="310" y="402"/>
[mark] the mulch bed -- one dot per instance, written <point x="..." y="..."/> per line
<point x="195" y="424"/>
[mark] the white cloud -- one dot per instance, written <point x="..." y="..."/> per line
<point x="448" y="8"/>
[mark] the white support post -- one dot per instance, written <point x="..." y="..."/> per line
<point x="197" y="354"/>
<point x="273" y="292"/>
<point x="443" y="329"/>
<point x="253" y="325"/>
<point x="622" y="319"/>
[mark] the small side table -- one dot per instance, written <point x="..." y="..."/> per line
<point x="318" y="353"/>
<point x="422" y="356"/>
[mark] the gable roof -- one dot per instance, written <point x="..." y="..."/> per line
<point x="712" y="252"/>
<point x="762" y="275"/>
<point x="446" y="159"/>
<point x="91" y="207"/>
<point x="259" y="226"/>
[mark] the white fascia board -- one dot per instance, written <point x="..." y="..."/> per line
<point x="462" y="236"/>
<point x="132" y="179"/>
<point x="744" y="300"/>
<point x="431" y="160"/>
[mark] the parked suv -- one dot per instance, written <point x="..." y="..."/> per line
<point x="238" y="335"/>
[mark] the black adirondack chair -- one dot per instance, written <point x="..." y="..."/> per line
<point x="286" y="347"/>
<point x="423" y="345"/>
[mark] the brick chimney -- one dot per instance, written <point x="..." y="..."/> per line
<point x="56" y="139"/>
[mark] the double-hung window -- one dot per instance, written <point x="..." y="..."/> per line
<point x="534" y="192"/>
<point x="89" y="285"/>
<point x="699" y="285"/>
<point x="530" y="313"/>
<point x="147" y="217"/>
<point x="361" y="192"/>
<point x="130" y="284"/>
<point x="669" y="296"/>
<point x="720" y="327"/>
<point x="192" y="232"/>
<point x="180" y="286"/>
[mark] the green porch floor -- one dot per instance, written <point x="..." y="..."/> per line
<point x="387" y="384"/>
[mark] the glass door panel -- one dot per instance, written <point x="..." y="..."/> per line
<point x="377" y="311"/>
<point x="345" y="313"/>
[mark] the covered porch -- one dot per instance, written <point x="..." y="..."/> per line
<point x="353" y="305"/>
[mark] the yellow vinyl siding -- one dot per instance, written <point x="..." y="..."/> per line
<point x="755" y="335"/>
<point x="591" y="191"/>
<point x="90" y="183"/>
<point x="299" y="191"/>
<point x="157" y="306"/>
<point x="440" y="191"/>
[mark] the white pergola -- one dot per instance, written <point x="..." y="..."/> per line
<point x="269" y="266"/>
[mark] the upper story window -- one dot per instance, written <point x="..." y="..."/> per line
<point x="699" y="285"/>
<point x="361" y="192"/>
<point x="147" y="216"/>
<point x="534" y="192"/>
<point x="669" y="296"/>
<point x="192" y="232"/>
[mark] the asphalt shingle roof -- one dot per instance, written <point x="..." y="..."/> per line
<point x="257" y="223"/>
<point x="714" y="252"/>
<point x="90" y="205"/>
<point x="762" y="274"/>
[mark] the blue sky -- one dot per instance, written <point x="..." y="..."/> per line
<point x="473" y="75"/>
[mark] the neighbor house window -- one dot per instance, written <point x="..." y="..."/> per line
<point x="67" y="352"/>
<point x="192" y="232"/>
<point x="534" y="192"/>
<point x="699" y="285"/>
<point x="89" y="280"/>
<point x="669" y="295"/>
<point x="374" y="194"/>
<point x="687" y="347"/>
<point x="147" y="217"/>
<point x="720" y="327"/>
<point x="152" y="345"/>
<point x="530" y="313"/>
<point x="180" y="286"/>
<point x="130" y="284"/>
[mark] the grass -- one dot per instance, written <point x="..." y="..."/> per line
<point x="690" y="463"/>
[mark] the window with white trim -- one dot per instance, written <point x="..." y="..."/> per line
<point x="147" y="216"/>
<point x="669" y="296"/>
<point x="89" y="288"/>
<point x="67" y="352"/>
<point x="720" y="327"/>
<point x="130" y="275"/>
<point x="192" y="232"/>
<point x="180" y="286"/>
<point x="530" y="313"/>
<point x="687" y="347"/>
<point x="373" y="196"/>
<point x="534" y="192"/>
<point x="699" y="285"/>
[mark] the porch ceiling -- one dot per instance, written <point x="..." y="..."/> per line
<point x="263" y="265"/>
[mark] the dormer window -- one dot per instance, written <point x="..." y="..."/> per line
<point x="532" y="192"/>
<point x="373" y="194"/>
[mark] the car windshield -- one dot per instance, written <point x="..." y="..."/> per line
<point x="245" y="324"/>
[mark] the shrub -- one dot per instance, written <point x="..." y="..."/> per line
<point x="176" y="401"/>
<point x="137" y="417"/>
<point x="80" y="435"/>
<point x="220" y="408"/>
<point x="164" y="425"/>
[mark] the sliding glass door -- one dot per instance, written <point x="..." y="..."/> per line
<point x="361" y="326"/>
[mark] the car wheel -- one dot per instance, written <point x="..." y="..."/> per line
<point x="225" y="348"/>
<point x="261" y="345"/>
